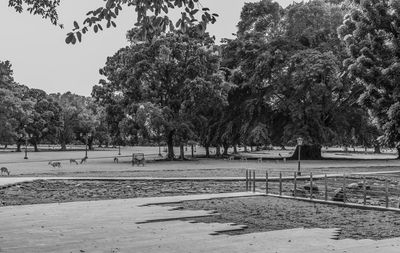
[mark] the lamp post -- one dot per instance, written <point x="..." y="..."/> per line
<point x="119" y="143"/>
<point x="25" y="136"/>
<point x="299" y="143"/>
<point x="85" y="137"/>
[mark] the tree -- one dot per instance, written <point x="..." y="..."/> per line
<point x="14" y="107"/>
<point x="286" y="65"/>
<point x="370" y="31"/>
<point x="163" y="79"/>
<point x="147" y="24"/>
<point x="44" y="120"/>
<point x="80" y="116"/>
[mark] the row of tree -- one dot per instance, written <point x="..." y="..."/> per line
<point x="281" y="78"/>
<point x="32" y="115"/>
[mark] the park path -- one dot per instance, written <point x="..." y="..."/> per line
<point x="138" y="225"/>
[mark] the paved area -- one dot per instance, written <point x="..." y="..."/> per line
<point x="137" y="225"/>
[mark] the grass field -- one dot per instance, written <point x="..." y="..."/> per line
<point x="101" y="163"/>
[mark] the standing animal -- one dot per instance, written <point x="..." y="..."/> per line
<point x="73" y="161"/>
<point x="115" y="159"/>
<point x="83" y="160"/>
<point x="242" y="158"/>
<point x="5" y="171"/>
<point x="55" y="164"/>
<point x="231" y="158"/>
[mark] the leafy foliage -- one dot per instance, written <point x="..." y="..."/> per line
<point x="163" y="85"/>
<point x="370" y="31"/>
<point x="148" y="25"/>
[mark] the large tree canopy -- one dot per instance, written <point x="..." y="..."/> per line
<point x="286" y="65"/>
<point x="162" y="85"/>
<point x="371" y="33"/>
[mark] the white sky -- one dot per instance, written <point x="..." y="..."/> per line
<point x="41" y="58"/>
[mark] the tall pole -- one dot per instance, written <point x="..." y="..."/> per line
<point x="86" y="146"/>
<point x="298" y="161"/>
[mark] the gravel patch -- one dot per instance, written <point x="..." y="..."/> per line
<point x="56" y="191"/>
<point x="270" y="213"/>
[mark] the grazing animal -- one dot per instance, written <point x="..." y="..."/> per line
<point x="55" y="164"/>
<point x="231" y="158"/>
<point x="73" y="161"/>
<point x="115" y="159"/>
<point x="4" y="170"/>
<point x="259" y="160"/>
<point x="83" y="160"/>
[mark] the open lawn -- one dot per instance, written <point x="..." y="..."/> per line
<point x="101" y="163"/>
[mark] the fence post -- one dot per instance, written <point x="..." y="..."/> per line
<point x="365" y="190"/>
<point x="250" y="181"/>
<point x="254" y="181"/>
<point x="247" y="180"/>
<point x="295" y="184"/>
<point x="311" y="185"/>
<point x="280" y="183"/>
<point x="266" y="182"/>
<point x="387" y="192"/>
<point x="344" y="188"/>
<point x="326" y="188"/>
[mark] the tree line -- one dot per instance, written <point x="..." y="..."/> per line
<point x="323" y="70"/>
<point x="280" y="78"/>
<point x="62" y="119"/>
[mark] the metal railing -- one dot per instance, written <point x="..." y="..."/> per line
<point x="364" y="190"/>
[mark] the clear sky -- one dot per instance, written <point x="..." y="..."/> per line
<point x="41" y="58"/>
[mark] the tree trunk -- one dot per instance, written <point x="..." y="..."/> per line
<point x="245" y="148"/>
<point x="182" y="151"/>
<point x="235" y="149"/>
<point x="18" y="147"/>
<point x="226" y="147"/>
<point x="308" y="152"/>
<point x="377" y="149"/>
<point x="283" y="147"/>
<point x="35" y="147"/>
<point x="398" y="152"/>
<point x="5" y="146"/>
<point x="218" y="151"/>
<point x="192" y="151"/>
<point x="207" y="151"/>
<point x="251" y="148"/>
<point x="170" y="144"/>
<point x="90" y="144"/>
<point x="63" y="146"/>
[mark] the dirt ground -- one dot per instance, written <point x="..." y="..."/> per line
<point x="270" y="213"/>
<point x="258" y="213"/>
<point x="57" y="191"/>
